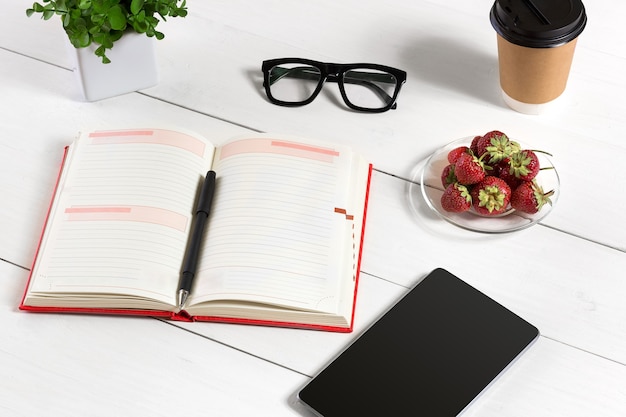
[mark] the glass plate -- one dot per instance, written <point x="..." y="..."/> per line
<point x="427" y="183"/>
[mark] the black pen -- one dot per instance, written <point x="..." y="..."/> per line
<point x="200" y="217"/>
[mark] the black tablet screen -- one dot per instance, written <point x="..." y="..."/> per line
<point x="430" y="355"/>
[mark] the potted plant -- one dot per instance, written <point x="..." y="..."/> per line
<point x="105" y="21"/>
<point x="94" y="27"/>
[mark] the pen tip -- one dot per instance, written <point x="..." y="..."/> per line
<point x="182" y="298"/>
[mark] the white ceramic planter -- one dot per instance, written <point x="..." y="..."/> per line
<point x="133" y="67"/>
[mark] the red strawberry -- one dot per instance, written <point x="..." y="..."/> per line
<point x="493" y="134"/>
<point x="456" y="198"/>
<point x="529" y="197"/>
<point x="469" y="169"/>
<point x="493" y="169"/>
<point x="481" y="145"/>
<point x="447" y="175"/>
<point x="456" y="152"/>
<point x="524" y="165"/>
<point x="474" y="144"/>
<point x="491" y="196"/>
<point x="503" y="169"/>
<point x="497" y="146"/>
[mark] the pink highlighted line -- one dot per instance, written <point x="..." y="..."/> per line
<point x="157" y="137"/>
<point x="278" y="147"/>
<point x="143" y="214"/>
<point x="98" y="210"/>
<point x="113" y="133"/>
<point x="305" y="148"/>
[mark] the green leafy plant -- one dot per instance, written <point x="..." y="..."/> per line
<point x="103" y="22"/>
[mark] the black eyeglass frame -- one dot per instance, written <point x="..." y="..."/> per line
<point x="332" y="72"/>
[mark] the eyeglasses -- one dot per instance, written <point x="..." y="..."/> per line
<point x="364" y="87"/>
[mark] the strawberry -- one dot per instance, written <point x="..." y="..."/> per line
<point x="469" y="169"/>
<point x="456" y="198"/>
<point x="474" y="144"/>
<point x="491" y="196"/>
<point x="497" y="146"/>
<point x="447" y="175"/>
<point x="529" y="197"/>
<point x="481" y="145"/>
<point x="454" y="154"/>
<point x="524" y="165"/>
<point x="503" y="169"/>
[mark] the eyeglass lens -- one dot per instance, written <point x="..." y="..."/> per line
<point x="369" y="88"/>
<point x="294" y="83"/>
<point x="364" y="87"/>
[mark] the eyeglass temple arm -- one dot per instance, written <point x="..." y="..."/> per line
<point x="363" y="78"/>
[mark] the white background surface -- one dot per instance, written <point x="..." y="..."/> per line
<point x="565" y="275"/>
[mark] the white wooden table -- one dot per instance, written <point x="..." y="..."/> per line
<point x="566" y="275"/>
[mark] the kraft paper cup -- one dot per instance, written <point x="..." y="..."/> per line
<point x="536" y="41"/>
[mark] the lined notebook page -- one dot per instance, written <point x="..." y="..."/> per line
<point x="122" y="212"/>
<point x="280" y="226"/>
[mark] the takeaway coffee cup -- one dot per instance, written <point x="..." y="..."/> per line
<point x="536" y="42"/>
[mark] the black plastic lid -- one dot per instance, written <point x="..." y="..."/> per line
<point x="538" y="23"/>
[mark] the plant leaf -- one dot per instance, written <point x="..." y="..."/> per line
<point x="100" y="51"/>
<point x="82" y="38"/>
<point x="117" y="18"/>
<point x="136" y="6"/>
<point x="84" y="4"/>
<point x="61" y="7"/>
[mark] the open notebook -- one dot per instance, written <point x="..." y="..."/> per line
<point x="282" y="245"/>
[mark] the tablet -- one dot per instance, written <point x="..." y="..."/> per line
<point x="431" y="354"/>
